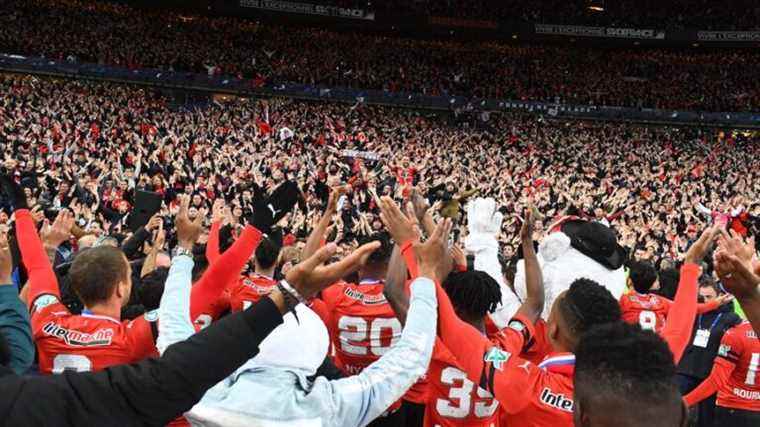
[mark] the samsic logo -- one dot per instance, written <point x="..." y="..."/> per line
<point x="79" y="339"/>
<point x="558" y="401"/>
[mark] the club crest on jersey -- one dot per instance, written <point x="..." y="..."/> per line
<point x="723" y="350"/>
<point x="44" y="301"/>
<point x="151" y="316"/>
<point x="366" y="299"/>
<point x="559" y="400"/>
<point x="497" y="357"/>
<point x="79" y="339"/>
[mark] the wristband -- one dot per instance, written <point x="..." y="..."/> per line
<point x="407" y="251"/>
<point x="291" y="291"/>
<point x="290" y="300"/>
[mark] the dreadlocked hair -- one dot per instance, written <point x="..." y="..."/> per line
<point x="473" y="293"/>
<point x="587" y="304"/>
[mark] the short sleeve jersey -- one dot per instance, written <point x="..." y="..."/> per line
<point x="88" y="342"/>
<point x="249" y="290"/>
<point x="649" y="311"/>
<point x="741" y="348"/>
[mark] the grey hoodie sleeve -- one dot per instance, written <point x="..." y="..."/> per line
<point x="359" y="399"/>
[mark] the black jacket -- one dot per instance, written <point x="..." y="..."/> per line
<point x="697" y="361"/>
<point x="150" y="393"/>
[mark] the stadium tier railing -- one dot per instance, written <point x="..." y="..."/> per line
<point x="248" y="88"/>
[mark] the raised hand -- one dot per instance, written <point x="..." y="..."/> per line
<point x="60" y="231"/>
<point x="400" y="227"/>
<point x="218" y="211"/>
<point x="332" y="202"/>
<point x="738" y="276"/>
<point x="187" y="231"/>
<point x="311" y="275"/>
<point x="6" y="261"/>
<point x="433" y="257"/>
<point x="154" y="223"/>
<point x="526" y="231"/>
<point x="698" y="249"/>
<point x="734" y="244"/>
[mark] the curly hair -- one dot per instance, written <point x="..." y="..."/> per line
<point x="473" y="293"/>
<point x="619" y="361"/>
<point x="587" y="304"/>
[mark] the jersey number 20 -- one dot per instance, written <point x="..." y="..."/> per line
<point x="353" y="332"/>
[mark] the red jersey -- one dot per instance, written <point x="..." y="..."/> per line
<point x="740" y="348"/>
<point x="647" y="310"/>
<point x="454" y="400"/>
<point x="362" y="324"/>
<point x="249" y="290"/>
<point x="88" y="342"/>
<point x="650" y="310"/>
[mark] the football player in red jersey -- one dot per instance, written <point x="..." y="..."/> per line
<point x="101" y="278"/>
<point x="735" y="378"/>
<point x="649" y="310"/>
<point x="542" y="395"/>
<point x="252" y="287"/>
<point x="453" y="399"/>
<point x="625" y="377"/>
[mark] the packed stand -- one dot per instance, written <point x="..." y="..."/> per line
<point x="438" y="269"/>
<point x="672" y="15"/>
<point x="267" y="54"/>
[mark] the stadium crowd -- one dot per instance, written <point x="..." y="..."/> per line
<point x="268" y="54"/>
<point x="678" y="14"/>
<point x="114" y="203"/>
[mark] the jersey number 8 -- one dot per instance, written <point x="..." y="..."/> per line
<point x="353" y="331"/>
<point x="648" y="320"/>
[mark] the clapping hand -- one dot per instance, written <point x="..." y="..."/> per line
<point x="311" y="275"/>
<point x="187" y="231"/>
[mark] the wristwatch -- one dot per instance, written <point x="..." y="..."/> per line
<point x="179" y="251"/>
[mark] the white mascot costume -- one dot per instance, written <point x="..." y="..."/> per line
<point x="574" y="249"/>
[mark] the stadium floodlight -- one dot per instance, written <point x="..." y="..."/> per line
<point x="596" y="5"/>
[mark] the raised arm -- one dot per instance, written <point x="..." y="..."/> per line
<point x="174" y="312"/>
<point x="361" y="398"/>
<point x="318" y="234"/>
<point x="484" y="224"/>
<point x="152" y="392"/>
<point x="217" y="218"/>
<point x="42" y="280"/>
<point x="393" y="287"/>
<point x="14" y="317"/>
<point x="533" y="305"/>
<point x="738" y="267"/>
<point x="677" y="329"/>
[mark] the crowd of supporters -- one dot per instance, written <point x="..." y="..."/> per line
<point x="678" y="14"/>
<point x="115" y="34"/>
<point x="246" y="192"/>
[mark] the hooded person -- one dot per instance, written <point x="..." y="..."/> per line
<point x="276" y="388"/>
<point x="576" y="249"/>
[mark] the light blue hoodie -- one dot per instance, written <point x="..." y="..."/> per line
<point x="272" y="389"/>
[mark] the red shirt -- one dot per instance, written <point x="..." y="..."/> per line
<point x="452" y="399"/>
<point x="249" y="290"/>
<point x="647" y="310"/>
<point x="740" y="348"/>
<point x="88" y="342"/>
<point x="362" y="324"/>
<point x="650" y="310"/>
<point x="363" y="327"/>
